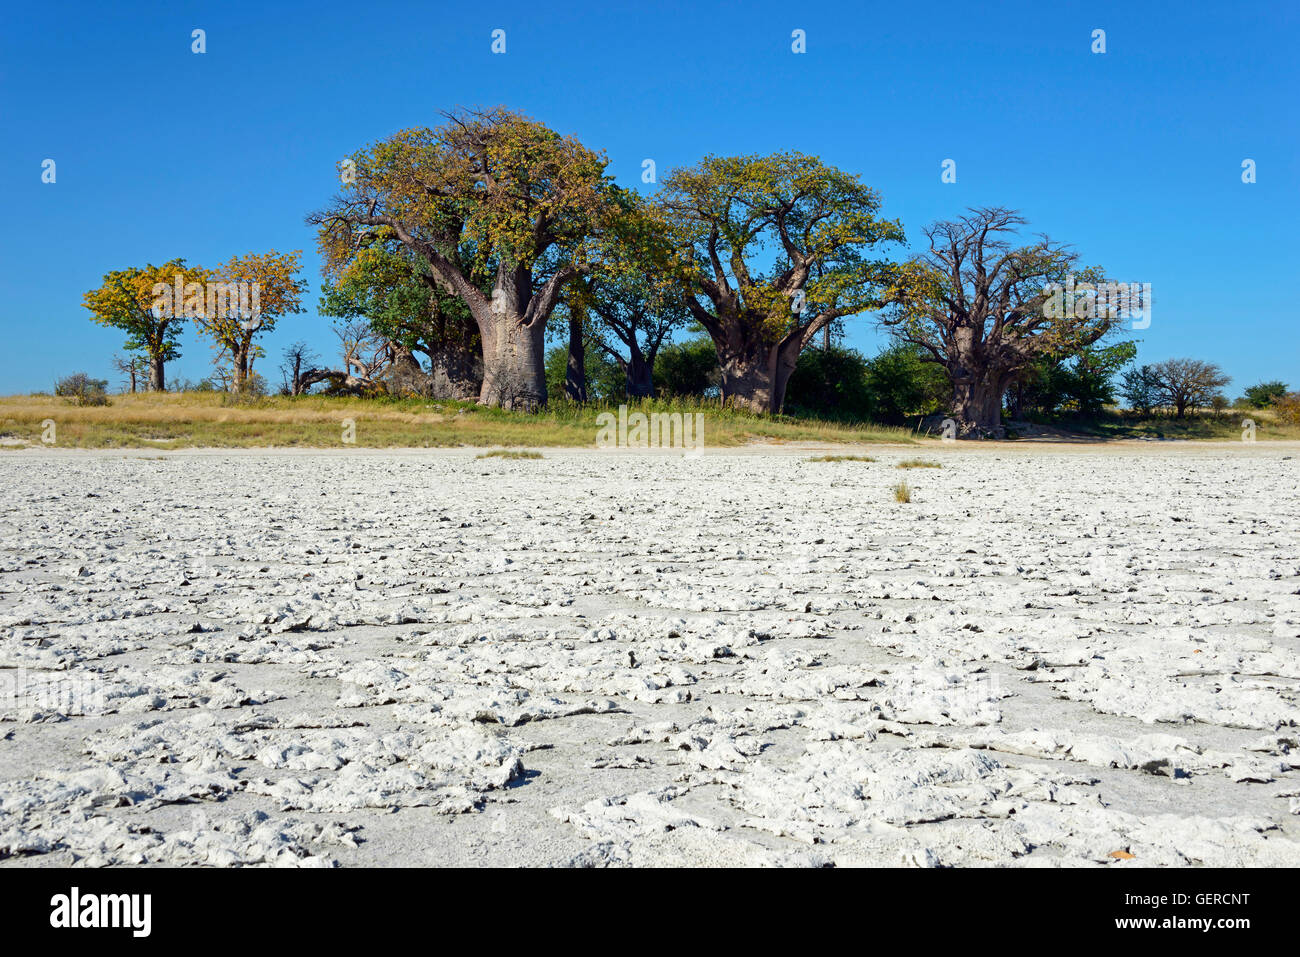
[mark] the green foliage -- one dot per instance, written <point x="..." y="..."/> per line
<point x="1263" y="394"/>
<point x="821" y="220"/>
<point x="396" y="294"/>
<point x="1079" y="384"/>
<point x="127" y="301"/>
<point x="830" y="384"/>
<point x="605" y="380"/>
<point x="902" y="384"/>
<point x="687" y="368"/>
<point x="1140" y="389"/>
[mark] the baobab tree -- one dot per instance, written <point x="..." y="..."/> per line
<point x="258" y="289"/>
<point x="632" y="297"/>
<point x="299" y="359"/>
<point x="397" y="293"/>
<point x="978" y="305"/>
<point x="635" y="314"/>
<point x="128" y="300"/>
<point x="490" y="195"/>
<point x="822" y="224"/>
<point x="1184" y="384"/>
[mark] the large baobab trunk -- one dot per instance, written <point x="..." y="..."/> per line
<point x="977" y="405"/>
<point x="455" y="373"/>
<point x="514" y="373"/>
<point x="157" y="374"/>
<point x="754" y="378"/>
<point x="239" y="368"/>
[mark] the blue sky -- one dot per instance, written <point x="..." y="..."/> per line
<point x="1132" y="156"/>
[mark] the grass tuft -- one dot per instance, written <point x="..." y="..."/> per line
<point x="841" y="458"/>
<point x="918" y="464"/>
<point x="510" y="454"/>
<point x="902" y="492"/>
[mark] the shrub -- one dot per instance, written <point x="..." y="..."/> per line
<point x="901" y="384"/>
<point x="688" y="368"/>
<point x="81" y="389"/>
<point x="829" y="384"/>
<point x="1288" y="407"/>
<point x="1263" y="394"/>
<point x="509" y="454"/>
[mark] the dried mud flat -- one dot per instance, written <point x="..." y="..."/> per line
<point x="1051" y="656"/>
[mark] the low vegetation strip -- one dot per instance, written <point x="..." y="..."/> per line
<point x="220" y="420"/>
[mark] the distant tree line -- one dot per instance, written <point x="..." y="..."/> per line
<point x="453" y="257"/>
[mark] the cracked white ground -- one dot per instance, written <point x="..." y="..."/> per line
<point x="1049" y="656"/>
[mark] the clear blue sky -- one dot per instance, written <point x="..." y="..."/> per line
<point x="1133" y="156"/>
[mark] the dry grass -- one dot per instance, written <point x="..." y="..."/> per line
<point x="509" y="454"/>
<point x="216" y="420"/>
<point x="918" y="464"/>
<point x="902" y="492"/>
<point x="841" y="458"/>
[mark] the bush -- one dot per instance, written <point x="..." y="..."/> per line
<point x="81" y="389"/>
<point x="829" y="384"/>
<point x="902" y="384"/>
<point x="605" y="380"/>
<point x="1264" y="394"/>
<point x="688" y="368"/>
<point x="1288" y="407"/>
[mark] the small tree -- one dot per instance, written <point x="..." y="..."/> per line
<point x="405" y="302"/>
<point x="831" y="384"/>
<point x="133" y="369"/>
<point x="1263" y="394"/>
<point x="142" y="302"/>
<point x="299" y="359"/>
<point x="1140" y="388"/>
<point x="1188" y="383"/>
<point x="246" y="296"/>
<point x="687" y="368"/>
<point x="902" y="383"/>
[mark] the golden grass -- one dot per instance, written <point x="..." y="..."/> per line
<point x="918" y="464"/>
<point x="162" y="421"/>
<point x="902" y="492"/>
<point x="841" y="458"/>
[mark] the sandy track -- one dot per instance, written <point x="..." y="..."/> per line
<point x="1050" y="655"/>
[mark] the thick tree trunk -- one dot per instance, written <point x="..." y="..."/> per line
<point x="239" y="369"/>
<point x="157" y="374"/>
<point x="640" y="376"/>
<point x="575" y="374"/>
<point x="455" y="373"/>
<point x="514" y="373"/>
<point x="977" y="407"/>
<point x="756" y="379"/>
